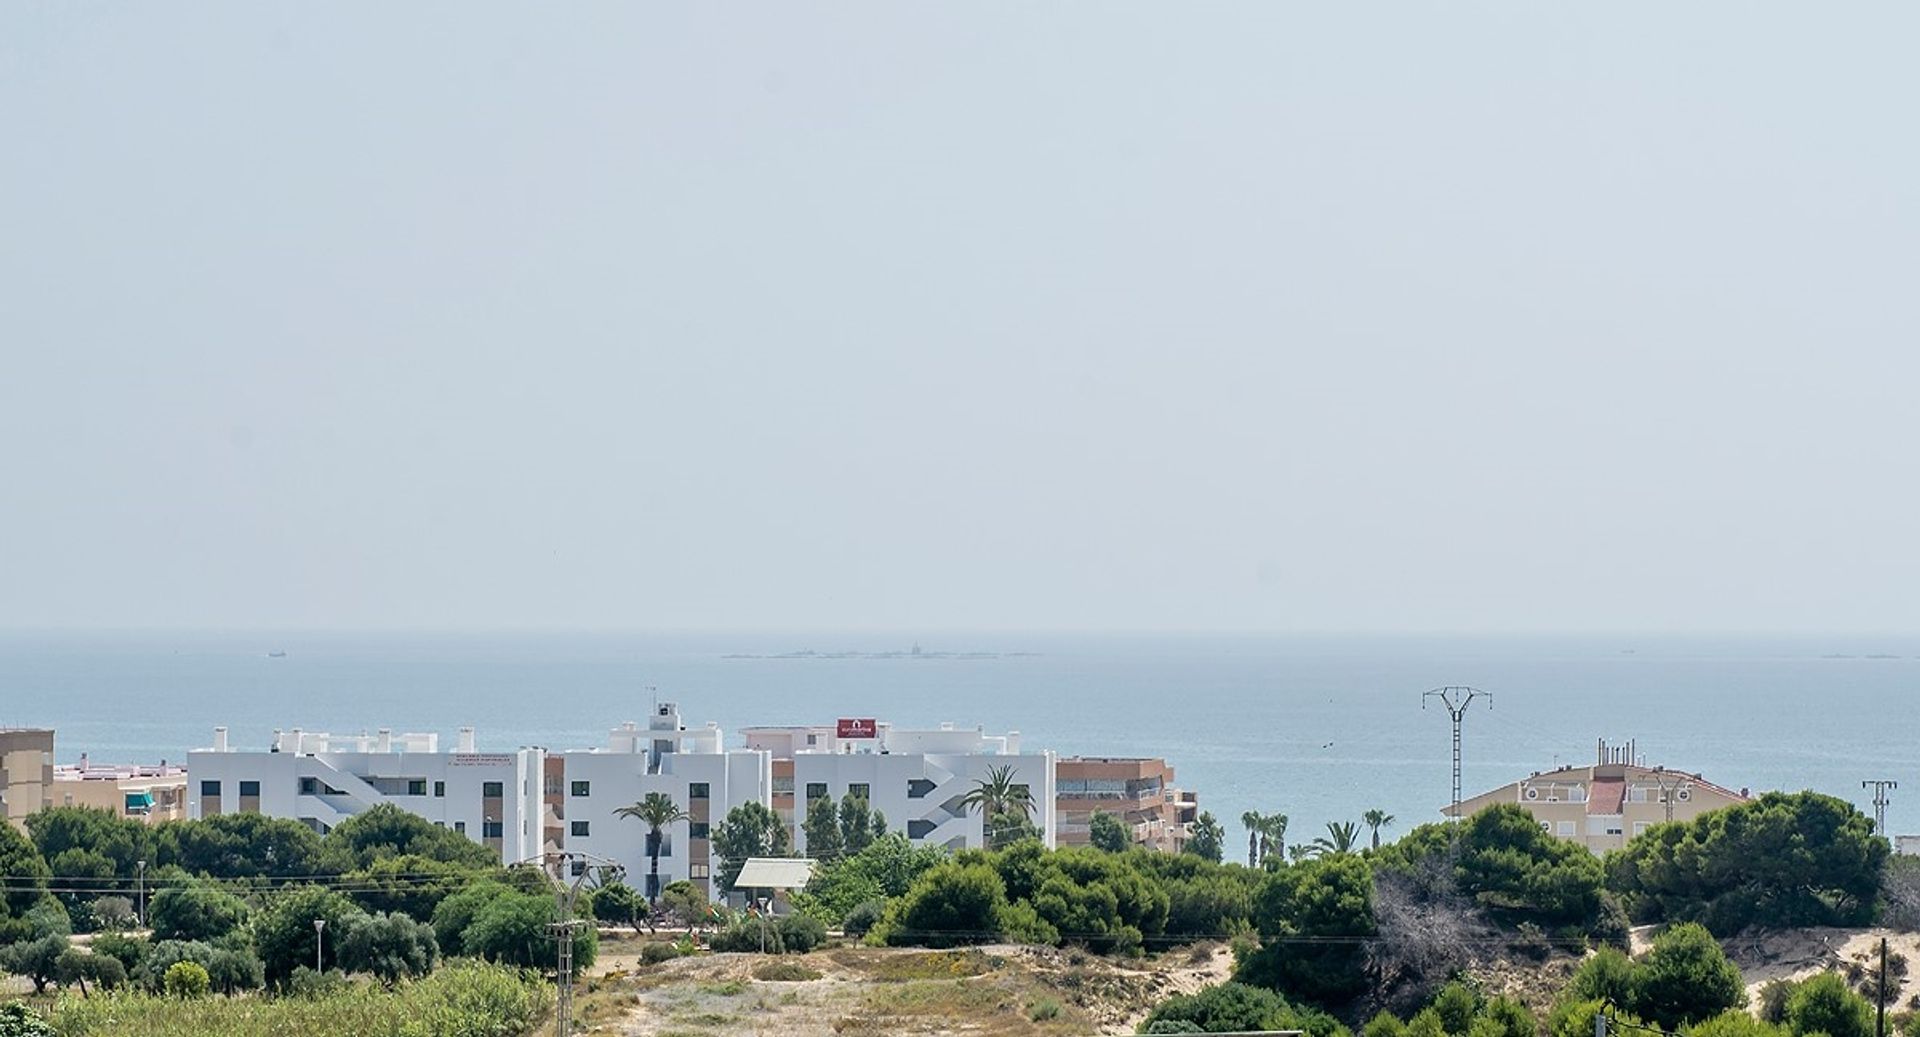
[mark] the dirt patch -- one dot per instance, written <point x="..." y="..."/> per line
<point x="998" y="991"/>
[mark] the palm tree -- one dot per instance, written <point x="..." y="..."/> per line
<point x="998" y="794"/>
<point x="1273" y="835"/>
<point x="658" y="810"/>
<point x="1253" y="821"/>
<point x="1376" y="820"/>
<point x="1341" y="837"/>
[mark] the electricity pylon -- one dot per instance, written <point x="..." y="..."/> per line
<point x="1456" y="699"/>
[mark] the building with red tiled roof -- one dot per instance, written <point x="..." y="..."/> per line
<point x="1610" y="801"/>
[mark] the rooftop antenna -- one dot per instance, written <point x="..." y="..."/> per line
<point x="1880" y="802"/>
<point x="1456" y="699"/>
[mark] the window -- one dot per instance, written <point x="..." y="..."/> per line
<point x="490" y="829"/>
<point x="460" y="826"/>
<point x="816" y="790"/>
<point x="860" y="790"/>
<point x="919" y="827"/>
<point x="1640" y="828"/>
<point x="209" y="788"/>
<point x="491" y="790"/>
<point x="416" y="786"/>
<point x="309" y="786"/>
<point x="700" y="790"/>
<point x="697" y="871"/>
<point x="250" y="788"/>
<point x="697" y="830"/>
<point x="783" y="786"/>
<point x="580" y="828"/>
<point x="440" y="788"/>
<point x="919" y="787"/>
<point x="578" y="868"/>
<point x="1567" y="829"/>
<point x="1547" y="827"/>
<point x="581" y="789"/>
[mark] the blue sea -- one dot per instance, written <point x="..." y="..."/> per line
<point x="1318" y="728"/>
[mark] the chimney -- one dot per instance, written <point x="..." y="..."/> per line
<point x="383" y="743"/>
<point x="465" y="744"/>
<point x="219" y="740"/>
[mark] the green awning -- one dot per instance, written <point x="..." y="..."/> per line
<point x="137" y="801"/>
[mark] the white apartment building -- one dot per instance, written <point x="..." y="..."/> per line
<point x="586" y="786"/>
<point x="322" y="779"/>
<point x="915" y="778"/>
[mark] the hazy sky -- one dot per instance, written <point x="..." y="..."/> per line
<point x="1263" y="316"/>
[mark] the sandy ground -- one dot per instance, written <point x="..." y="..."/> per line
<point x="863" y="992"/>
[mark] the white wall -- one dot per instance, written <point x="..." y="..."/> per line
<point x="935" y="817"/>
<point x="462" y="777"/>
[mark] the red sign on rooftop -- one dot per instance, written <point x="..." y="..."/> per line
<point x="858" y="727"/>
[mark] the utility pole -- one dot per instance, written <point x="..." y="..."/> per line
<point x="1880" y="802"/>
<point x="1880" y="995"/>
<point x="1456" y="699"/>
<point x="566" y="896"/>
<point x="1670" y="782"/>
<point x="140" y="881"/>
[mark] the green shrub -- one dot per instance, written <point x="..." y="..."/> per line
<point x="750" y="936"/>
<point x="1825" y="1005"/>
<point x="1686" y="978"/>
<point x="801" y="933"/>
<point x="655" y="952"/>
<point x="463" y="999"/>
<point x="17" y="1020"/>
<point x="306" y="983"/>
<point x="186" y="979"/>
<point x="1044" y="1009"/>
<point x="785" y="972"/>
<point x="948" y="905"/>
<point x="864" y="917"/>
<point x="130" y="950"/>
<point x="195" y="912"/>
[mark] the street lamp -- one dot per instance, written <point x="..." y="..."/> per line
<point x="319" y="943"/>
<point x="141" y="884"/>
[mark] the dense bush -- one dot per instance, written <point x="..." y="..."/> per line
<point x="750" y="936"/>
<point x="1685" y="978"/>
<point x="864" y="917"/>
<point x="511" y="927"/>
<point x="1313" y="918"/>
<point x="802" y="933"/>
<point x="657" y="951"/>
<point x="17" y="1020"/>
<point x="284" y="930"/>
<point x="1785" y="859"/>
<point x="1826" y="1005"/>
<point x="886" y="867"/>
<point x="1519" y="875"/>
<point x="186" y="979"/>
<point x="1228" y="1007"/>
<point x="198" y="911"/>
<point x="388" y="947"/>
<point x="619" y="903"/>
<point x="459" y="1000"/>
<point x="386" y="832"/>
<point x="952" y="903"/>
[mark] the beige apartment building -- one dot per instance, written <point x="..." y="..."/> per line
<point x="142" y="792"/>
<point x="26" y="772"/>
<point x="1139" y="791"/>
<point x="1603" y="805"/>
